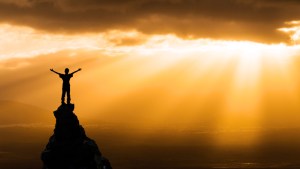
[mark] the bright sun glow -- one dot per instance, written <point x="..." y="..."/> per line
<point x="168" y="74"/>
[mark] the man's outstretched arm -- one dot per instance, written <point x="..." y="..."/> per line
<point x="55" y="71"/>
<point x="76" y="71"/>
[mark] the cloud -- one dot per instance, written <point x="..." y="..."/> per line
<point x="255" y="20"/>
<point x="21" y="41"/>
<point x="293" y="29"/>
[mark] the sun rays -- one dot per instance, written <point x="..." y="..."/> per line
<point x="159" y="81"/>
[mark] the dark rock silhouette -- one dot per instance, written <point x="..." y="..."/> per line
<point x="69" y="147"/>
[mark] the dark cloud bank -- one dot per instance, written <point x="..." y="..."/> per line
<point x="255" y="20"/>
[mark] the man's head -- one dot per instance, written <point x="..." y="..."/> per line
<point x="66" y="70"/>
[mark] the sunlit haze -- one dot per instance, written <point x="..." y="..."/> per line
<point x="150" y="71"/>
<point x="160" y="76"/>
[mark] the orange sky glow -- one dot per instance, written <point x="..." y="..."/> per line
<point x="164" y="83"/>
<point x="158" y="81"/>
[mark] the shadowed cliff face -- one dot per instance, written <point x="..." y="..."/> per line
<point x="69" y="147"/>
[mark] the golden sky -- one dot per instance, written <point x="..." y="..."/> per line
<point x="230" y="64"/>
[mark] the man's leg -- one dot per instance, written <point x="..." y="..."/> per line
<point x="63" y="96"/>
<point x="68" y="96"/>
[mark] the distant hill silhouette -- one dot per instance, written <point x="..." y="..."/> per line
<point x="12" y="112"/>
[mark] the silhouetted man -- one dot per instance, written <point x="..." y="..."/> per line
<point x="66" y="84"/>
